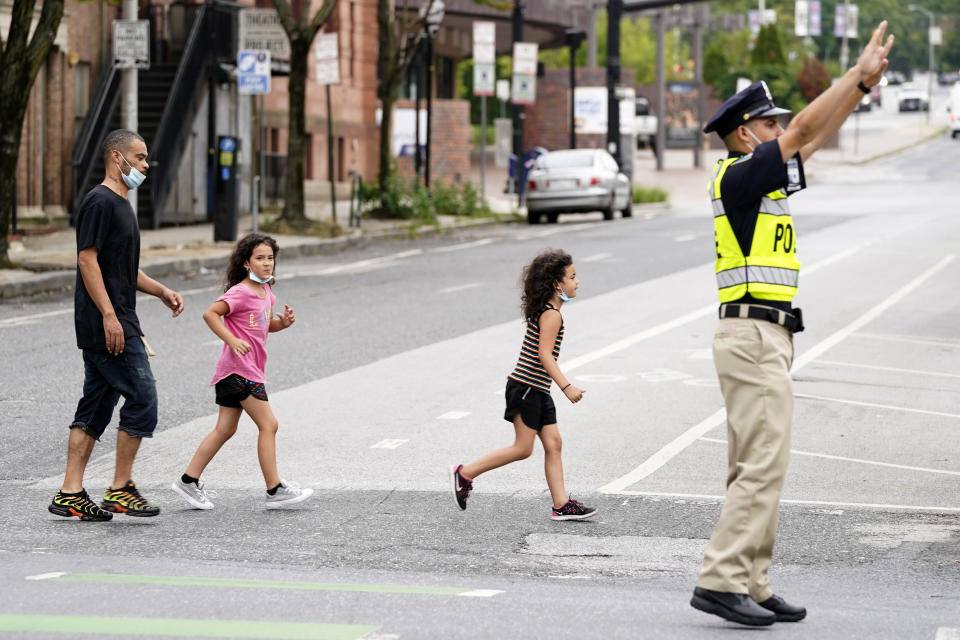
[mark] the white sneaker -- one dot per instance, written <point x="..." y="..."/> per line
<point x="288" y="493"/>
<point x="192" y="493"/>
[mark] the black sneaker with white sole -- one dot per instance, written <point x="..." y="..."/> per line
<point x="573" y="510"/>
<point x="461" y="486"/>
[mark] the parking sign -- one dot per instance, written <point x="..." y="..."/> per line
<point x="253" y="72"/>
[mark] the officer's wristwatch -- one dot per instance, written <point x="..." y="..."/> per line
<point x="863" y="87"/>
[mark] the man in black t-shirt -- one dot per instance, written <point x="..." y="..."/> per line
<point x="108" y="331"/>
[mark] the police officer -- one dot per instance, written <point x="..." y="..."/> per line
<point x="757" y="272"/>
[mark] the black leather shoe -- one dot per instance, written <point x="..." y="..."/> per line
<point x="735" y="607"/>
<point x="784" y="612"/>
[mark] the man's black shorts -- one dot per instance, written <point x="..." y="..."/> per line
<point x="233" y="389"/>
<point x="535" y="407"/>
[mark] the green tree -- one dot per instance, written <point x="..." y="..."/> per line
<point x="768" y="48"/>
<point x="301" y="30"/>
<point x="20" y="59"/>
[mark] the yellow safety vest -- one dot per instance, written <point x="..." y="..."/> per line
<point x="771" y="271"/>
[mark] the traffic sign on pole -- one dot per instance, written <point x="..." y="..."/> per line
<point x="253" y="72"/>
<point x="328" y="58"/>
<point x="131" y="44"/>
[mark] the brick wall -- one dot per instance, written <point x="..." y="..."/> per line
<point x="450" y="141"/>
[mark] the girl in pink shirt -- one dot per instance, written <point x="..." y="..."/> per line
<point x="242" y="317"/>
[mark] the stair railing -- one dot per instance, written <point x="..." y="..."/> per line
<point x="95" y="127"/>
<point x="174" y="130"/>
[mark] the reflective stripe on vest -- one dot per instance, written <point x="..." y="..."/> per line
<point x="771" y="270"/>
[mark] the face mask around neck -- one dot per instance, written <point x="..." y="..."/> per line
<point x="563" y="296"/>
<point x="257" y="278"/>
<point x="754" y="136"/>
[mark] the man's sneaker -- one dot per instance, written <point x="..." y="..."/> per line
<point x="129" y="501"/>
<point x="192" y="493"/>
<point x="77" y="505"/>
<point x="288" y="493"/>
<point x="461" y="486"/>
<point x="573" y="510"/>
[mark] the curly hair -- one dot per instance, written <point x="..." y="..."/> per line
<point x="540" y="279"/>
<point x="236" y="272"/>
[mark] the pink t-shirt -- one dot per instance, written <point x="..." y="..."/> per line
<point x="248" y="319"/>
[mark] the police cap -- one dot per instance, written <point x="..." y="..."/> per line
<point x="753" y="102"/>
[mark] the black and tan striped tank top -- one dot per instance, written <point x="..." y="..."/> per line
<point x="529" y="369"/>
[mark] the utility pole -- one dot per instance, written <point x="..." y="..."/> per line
<point x="930" y="19"/>
<point x="130" y="106"/>
<point x="661" y="19"/>
<point x="591" y="34"/>
<point x="700" y="16"/>
<point x="614" y="15"/>
<point x="516" y="110"/>
<point x="844" y="45"/>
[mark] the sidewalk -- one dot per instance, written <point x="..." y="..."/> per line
<point x="50" y="259"/>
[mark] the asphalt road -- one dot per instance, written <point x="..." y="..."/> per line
<point x="395" y="369"/>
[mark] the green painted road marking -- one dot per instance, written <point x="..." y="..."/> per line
<point x="193" y="581"/>
<point x="184" y="628"/>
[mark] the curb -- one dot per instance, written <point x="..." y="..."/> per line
<point x="62" y="280"/>
<point x="890" y="152"/>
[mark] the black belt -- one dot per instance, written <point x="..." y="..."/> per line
<point x="792" y="320"/>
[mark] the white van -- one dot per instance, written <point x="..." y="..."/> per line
<point x="953" y="107"/>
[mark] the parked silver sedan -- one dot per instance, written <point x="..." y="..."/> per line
<point x="576" y="180"/>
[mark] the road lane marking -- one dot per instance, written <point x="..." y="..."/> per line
<point x="851" y="505"/>
<point x="896" y="369"/>
<point x="46" y="576"/>
<point x="948" y="633"/>
<point x="454" y="415"/>
<point x="462" y="246"/>
<point x="561" y="228"/>
<point x="877" y="406"/>
<point x="380" y="261"/>
<point x="480" y="593"/>
<point x="857" y="460"/>
<point x="389" y="443"/>
<point x="461" y="287"/>
<point x="684" y="440"/>
<point x="909" y="339"/>
<point x="595" y="257"/>
<point x="242" y="583"/>
<point x="685" y="237"/>
<point x="184" y="627"/>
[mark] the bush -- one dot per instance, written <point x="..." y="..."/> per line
<point x="642" y="195"/>
<point x="406" y="198"/>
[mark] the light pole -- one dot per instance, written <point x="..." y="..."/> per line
<point x="433" y="19"/>
<point x="573" y="38"/>
<point x="914" y="7"/>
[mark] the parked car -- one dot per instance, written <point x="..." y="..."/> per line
<point x="895" y="77"/>
<point x="575" y="181"/>
<point x="866" y="102"/>
<point x="948" y="77"/>
<point x="910" y="98"/>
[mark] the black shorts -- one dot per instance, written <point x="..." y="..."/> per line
<point x="234" y="389"/>
<point x="535" y="407"/>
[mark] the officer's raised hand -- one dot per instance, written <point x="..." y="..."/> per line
<point x="873" y="58"/>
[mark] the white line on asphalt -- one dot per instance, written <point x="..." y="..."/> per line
<point x="461" y="287"/>
<point x="854" y="505"/>
<point x="454" y="415"/>
<point x="13" y="322"/>
<point x="690" y="436"/>
<point x="480" y="593"/>
<point x="595" y="257"/>
<point x="359" y="264"/>
<point x="560" y="228"/>
<point x="948" y="633"/>
<point x="389" y="443"/>
<point x="463" y="245"/>
<point x="47" y="576"/>
<point x="897" y="369"/>
<point x="857" y="460"/>
<point x="909" y="339"/>
<point x="686" y="237"/>
<point x="877" y="406"/>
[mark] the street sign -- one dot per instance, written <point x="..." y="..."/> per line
<point x="815" y="17"/>
<point x="801" y="18"/>
<point x="484" y="79"/>
<point x="253" y="72"/>
<point x="851" y="20"/>
<point x="131" y="44"/>
<point x="260" y="29"/>
<point x="328" y="58"/>
<point x="524" y="86"/>
<point x="524" y="90"/>
<point x="936" y="36"/>
<point x="503" y="90"/>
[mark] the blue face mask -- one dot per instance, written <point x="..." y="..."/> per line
<point x="563" y="296"/>
<point x="257" y="278"/>
<point x="134" y="179"/>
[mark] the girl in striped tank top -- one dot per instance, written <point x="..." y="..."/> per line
<point x="548" y="281"/>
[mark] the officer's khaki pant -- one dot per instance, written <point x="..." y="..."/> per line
<point x="753" y="359"/>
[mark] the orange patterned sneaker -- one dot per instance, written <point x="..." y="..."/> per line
<point x="77" y="505"/>
<point x="129" y="501"/>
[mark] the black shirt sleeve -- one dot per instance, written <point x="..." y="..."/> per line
<point x="94" y="222"/>
<point x="757" y="174"/>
